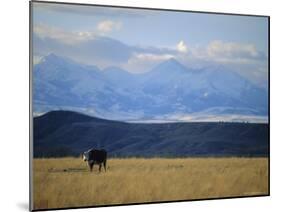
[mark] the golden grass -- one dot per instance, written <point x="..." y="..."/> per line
<point x="67" y="182"/>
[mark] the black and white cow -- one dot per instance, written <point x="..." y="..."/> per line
<point x="94" y="156"/>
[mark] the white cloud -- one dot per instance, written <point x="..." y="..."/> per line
<point x="36" y="59"/>
<point x="74" y="37"/>
<point x="107" y="26"/>
<point x="226" y="53"/>
<point x="142" y="62"/>
<point x="216" y="51"/>
<point x="88" y="47"/>
<point x="181" y="47"/>
<point x="231" y="52"/>
<point x="67" y="37"/>
<point x="153" y="57"/>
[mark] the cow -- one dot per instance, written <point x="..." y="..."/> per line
<point x="95" y="156"/>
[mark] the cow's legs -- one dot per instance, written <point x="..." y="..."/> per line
<point x="104" y="165"/>
<point x="91" y="165"/>
<point x="99" y="167"/>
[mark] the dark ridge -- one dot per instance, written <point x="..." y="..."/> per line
<point x="66" y="133"/>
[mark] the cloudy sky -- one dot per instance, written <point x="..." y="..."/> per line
<point x="137" y="40"/>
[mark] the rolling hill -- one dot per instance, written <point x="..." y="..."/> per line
<point x="66" y="133"/>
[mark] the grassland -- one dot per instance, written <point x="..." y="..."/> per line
<point x="67" y="182"/>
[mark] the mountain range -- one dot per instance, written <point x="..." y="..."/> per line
<point x="170" y="91"/>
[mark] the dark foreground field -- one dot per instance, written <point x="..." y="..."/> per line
<point x="66" y="182"/>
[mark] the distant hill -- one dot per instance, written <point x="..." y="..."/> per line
<point x="65" y="133"/>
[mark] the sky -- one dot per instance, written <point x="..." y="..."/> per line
<point x="137" y="40"/>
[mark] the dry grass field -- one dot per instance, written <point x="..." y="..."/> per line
<point x="67" y="182"/>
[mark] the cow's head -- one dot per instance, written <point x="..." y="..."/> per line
<point x="85" y="156"/>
